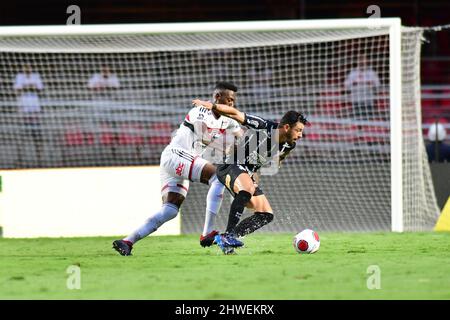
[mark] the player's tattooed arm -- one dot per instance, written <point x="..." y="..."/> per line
<point x="223" y="109"/>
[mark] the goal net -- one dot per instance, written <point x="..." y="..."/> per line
<point x="112" y="96"/>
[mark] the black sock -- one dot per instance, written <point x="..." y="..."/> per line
<point x="236" y="209"/>
<point x="253" y="223"/>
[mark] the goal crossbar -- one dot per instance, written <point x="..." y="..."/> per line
<point x="197" y="27"/>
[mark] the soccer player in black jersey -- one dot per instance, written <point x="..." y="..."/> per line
<point x="267" y="141"/>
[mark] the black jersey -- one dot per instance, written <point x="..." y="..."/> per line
<point x="258" y="146"/>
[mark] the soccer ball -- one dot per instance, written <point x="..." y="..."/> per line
<point x="306" y="241"/>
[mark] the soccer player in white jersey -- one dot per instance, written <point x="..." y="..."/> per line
<point x="182" y="161"/>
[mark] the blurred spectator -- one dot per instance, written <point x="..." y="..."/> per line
<point x="27" y="86"/>
<point x="103" y="83"/>
<point x="362" y="83"/>
<point x="103" y="86"/>
<point x="437" y="149"/>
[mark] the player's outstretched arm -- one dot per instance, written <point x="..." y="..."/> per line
<point x="223" y="109"/>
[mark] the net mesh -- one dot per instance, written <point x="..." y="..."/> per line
<point x="115" y="100"/>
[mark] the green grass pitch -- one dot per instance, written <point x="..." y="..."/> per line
<point x="412" y="266"/>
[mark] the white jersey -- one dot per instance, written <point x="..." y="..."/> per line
<point x="184" y="158"/>
<point x="28" y="100"/>
<point x="362" y="84"/>
<point x="100" y="81"/>
<point x="201" y="129"/>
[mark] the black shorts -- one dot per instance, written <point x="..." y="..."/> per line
<point x="227" y="175"/>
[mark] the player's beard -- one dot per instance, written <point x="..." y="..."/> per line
<point x="290" y="137"/>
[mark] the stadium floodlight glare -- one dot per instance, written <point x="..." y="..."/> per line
<point x="351" y="172"/>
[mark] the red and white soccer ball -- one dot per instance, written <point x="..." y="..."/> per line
<point x="306" y="241"/>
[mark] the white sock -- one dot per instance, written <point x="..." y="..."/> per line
<point x="168" y="211"/>
<point x="210" y="218"/>
<point x="213" y="203"/>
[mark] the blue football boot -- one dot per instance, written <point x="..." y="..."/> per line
<point x="232" y="241"/>
<point x="223" y="245"/>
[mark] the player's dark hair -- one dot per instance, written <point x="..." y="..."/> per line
<point x="223" y="85"/>
<point x="292" y="117"/>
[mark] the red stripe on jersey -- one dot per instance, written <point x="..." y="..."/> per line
<point x="190" y="168"/>
<point x="182" y="187"/>
<point x="187" y="117"/>
<point x="178" y="185"/>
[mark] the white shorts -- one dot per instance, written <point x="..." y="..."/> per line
<point x="178" y="167"/>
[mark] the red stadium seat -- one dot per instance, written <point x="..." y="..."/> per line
<point x="428" y="102"/>
<point x="313" y="132"/>
<point x="106" y="135"/>
<point x="331" y="132"/>
<point x="445" y="103"/>
<point x="131" y="134"/>
<point x="75" y="136"/>
<point x="330" y="103"/>
<point x="160" y="133"/>
<point x="374" y="134"/>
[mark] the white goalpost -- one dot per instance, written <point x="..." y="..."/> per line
<point x="361" y="166"/>
<point x="395" y="102"/>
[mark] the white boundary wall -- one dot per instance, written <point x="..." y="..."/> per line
<point x="80" y="202"/>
